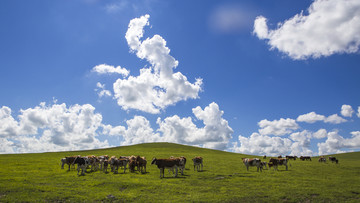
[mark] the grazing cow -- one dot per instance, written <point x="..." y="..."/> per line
<point x="163" y="164"/>
<point x="141" y="163"/>
<point x="291" y="157"/>
<point x="198" y="161"/>
<point x="279" y="162"/>
<point x="322" y="159"/>
<point x="82" y="163"/>
<point x="252" y="162"/>
<point x="116" y="163"/>
<point x="69" y="160"/>
<point x="333" y="159"/>
<point x="303" y="158"/>
<point x="264" y="157"/>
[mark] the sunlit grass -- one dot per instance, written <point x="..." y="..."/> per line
<point x="38" y="177"/>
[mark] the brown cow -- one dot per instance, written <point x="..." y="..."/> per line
<point x="69" y="160"/>
<point x="141" y="163"/>
<point x="303" y="158"/>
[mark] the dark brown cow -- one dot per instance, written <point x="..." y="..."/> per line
<point x="303" y="158"/>
<point x="278" y="162"/>
<point x="322" y="159"/>
<point x="333" y="159"/>
<point x="291" y="157"/>
<point x="141" y="163"/>
<point x="163" y="164"/>
<point x="69" y="160"/>
<point x="198" y="161"/>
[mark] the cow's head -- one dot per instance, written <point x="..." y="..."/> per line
<point x="153" y="161"/>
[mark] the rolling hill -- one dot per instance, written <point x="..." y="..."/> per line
<point x="39" y="177"/>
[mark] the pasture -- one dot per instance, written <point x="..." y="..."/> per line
<point x="39" y="177"/>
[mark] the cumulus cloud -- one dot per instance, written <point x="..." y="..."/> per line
<point x="330" y="27"/>
<point x="107" y="69"/>
<point x="157" y="86"/>
<point x="335" y="143"/>
<point x="277" y="127"/>
<point x="258" y="144"/>
<point x="313" y="117"/>
<point x="322" y="133"/>
<point x="347" y="110"/>
<point x="9" y="126"/>
<point x="335" y="119"/>
<point x="215" y="134"/>
<point x="53" y="128"/>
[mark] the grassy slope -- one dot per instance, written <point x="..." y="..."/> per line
<point x="38" y="177"/>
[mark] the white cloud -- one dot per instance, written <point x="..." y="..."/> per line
<point x="258" y="144"/>
<point x="330" y="27"/>
<point x="335" y="143"/>
<point x="322" y="133"/>
<point x="277" y="127"/>
<point x="9" y="126"/>
<point x="311" y="117"/>
<point x="157" y="86"/>
<point x="358" y="114"/>
<point x="54" y="128"/>
<point x="347" y="110"/>
<point x="107" y="69"/>
<point x="102" y="92"/>
<point x="215" y="134"/>
<point x="335" y="119"/>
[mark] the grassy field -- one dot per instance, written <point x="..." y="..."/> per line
<point x="39" y="177"/>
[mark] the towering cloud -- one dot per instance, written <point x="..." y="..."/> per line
<point x="157" y="86"/>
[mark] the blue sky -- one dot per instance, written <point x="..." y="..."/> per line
<point x="254" y="77"/>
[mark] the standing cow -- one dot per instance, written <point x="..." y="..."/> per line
<point x="252" y="162"/>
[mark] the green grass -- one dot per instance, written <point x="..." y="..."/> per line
<point x="39" y="177"/>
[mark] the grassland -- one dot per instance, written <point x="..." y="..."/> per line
<point x="39" y="178"/>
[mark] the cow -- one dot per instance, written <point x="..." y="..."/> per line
<point x="94" y="162"/>
<point x="163" y="164"/>
<point x="116" y="163"/>
<point x="141" y="163"/>
<point x="182" y="161"/>
<point x="270" y="164"/>
<point x="333" y="159"/>
<point x="133" y="163"/>
<point x="105" y="165"/>
<point x="291" y="157"/>
<point x="102" y="159"/>
<point x="252" y="162"/>
<point x="279" y="162"/>
<point x="264" y="157"/>
<point x="303" y="158"/>
<point x="69" y="160"/>
<point x="198" y="161"/>
<point x="322" y="159"/>
<point x="82" y="163"/>
<point x="279" y="156"/>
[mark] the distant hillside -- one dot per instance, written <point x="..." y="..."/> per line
<point x="38" y="177"/>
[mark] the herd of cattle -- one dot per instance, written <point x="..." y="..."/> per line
<point x="104" y="162"/>
<point x="173" y="163"/>
<point x="280" y="161"/>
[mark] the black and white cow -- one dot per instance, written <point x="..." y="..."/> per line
<point x="163" y="164"/>
<point x="252" y="162"/>
<point x="82" y="163"/>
